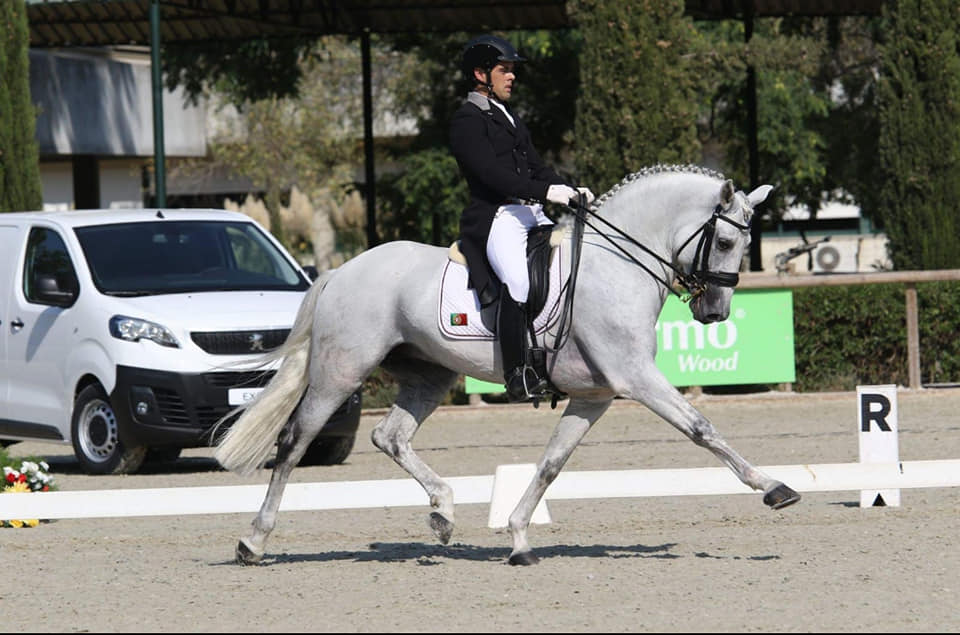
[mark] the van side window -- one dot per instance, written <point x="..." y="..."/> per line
<point x="47" y="256"/>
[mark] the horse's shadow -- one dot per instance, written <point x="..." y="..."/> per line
<point x="429" y="554"/>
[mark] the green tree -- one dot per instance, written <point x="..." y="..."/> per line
<point x="243" y="71"/>
<point x="848" y="77"/>
<point x="19" y="160"/>
<point x="310" y="138"/>
<point x="424" y="199"/>
<point x="919" y="143"/>
<point x="790" y="149"/>
<point x="636" y="105"/>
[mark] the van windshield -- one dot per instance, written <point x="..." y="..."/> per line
<point x="170" y="256"/>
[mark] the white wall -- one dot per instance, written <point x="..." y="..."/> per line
<point x="843" y="253"/>
<point x="120" y="181"/>
<point x="119" y="184"/>
<point x="56" y="179"/>
<point x="92" y="103"/>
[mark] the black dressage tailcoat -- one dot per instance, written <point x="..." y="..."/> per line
<point x="501" y="165"/>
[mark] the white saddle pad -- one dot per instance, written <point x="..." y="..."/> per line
<point x="459" y="313"/>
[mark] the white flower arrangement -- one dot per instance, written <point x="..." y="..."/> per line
<point x="32" y="476"/>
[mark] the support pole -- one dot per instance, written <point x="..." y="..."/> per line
<point x="159" y="157"/>
<point x="753" y="151"/>
<point x="372" y="238"/>
<point x="913" y="336"/>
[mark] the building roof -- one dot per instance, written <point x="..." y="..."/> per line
<point x="60" y="23"/>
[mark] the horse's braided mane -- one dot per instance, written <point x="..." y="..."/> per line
<point x="655" y="169"/>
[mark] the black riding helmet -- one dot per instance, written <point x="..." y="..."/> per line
<point x="484" y="52"/>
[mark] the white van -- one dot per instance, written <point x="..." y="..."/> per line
<point x="120" y="331"/>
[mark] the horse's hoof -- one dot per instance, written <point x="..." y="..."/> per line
<point x="442" y="527"/>
<point x="524" y="558"/>
<point x="246" y="555"/>
<point x="780" y="496"/>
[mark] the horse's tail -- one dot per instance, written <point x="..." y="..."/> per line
<point x="248" y="443"/>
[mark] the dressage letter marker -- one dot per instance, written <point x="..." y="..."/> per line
<point x="877" y="418"/>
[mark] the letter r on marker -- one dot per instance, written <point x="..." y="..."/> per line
<point x="868" y="414"/>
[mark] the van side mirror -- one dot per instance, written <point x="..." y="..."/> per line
<point x="48" y="291"/>
<point x="311" y="272"/>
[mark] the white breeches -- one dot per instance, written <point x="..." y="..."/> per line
<point x="507" y="245"/>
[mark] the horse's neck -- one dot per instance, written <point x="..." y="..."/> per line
<point x="659" y="212"/>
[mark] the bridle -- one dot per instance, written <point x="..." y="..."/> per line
<point x="696" y="280"/>
<point x="700" y="275"/>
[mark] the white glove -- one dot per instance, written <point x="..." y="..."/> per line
<point x="588" y="196"/>
<point x="561" y="194"/>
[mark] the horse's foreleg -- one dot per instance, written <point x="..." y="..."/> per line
<point x="295" y="437"/>
<point x="422" y="387"/>
<point x="578" y="418"/>
<point x="665" y="400"/>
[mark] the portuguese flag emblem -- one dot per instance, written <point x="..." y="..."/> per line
<point x="458" y="319"/>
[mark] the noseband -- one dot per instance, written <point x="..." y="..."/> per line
<point x="700" y="276"/>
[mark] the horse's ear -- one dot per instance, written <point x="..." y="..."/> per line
<point x="726" y="193"/>
<point x="759" y="195"/>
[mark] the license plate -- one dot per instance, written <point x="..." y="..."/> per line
<point x="240" y="396"/>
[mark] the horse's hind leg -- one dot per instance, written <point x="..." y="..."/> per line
<point x="422" y="387"/>
<point x="311" y="414"/>
<point x="578" y="417"/>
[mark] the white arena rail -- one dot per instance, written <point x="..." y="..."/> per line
<point x="501" y="490"/>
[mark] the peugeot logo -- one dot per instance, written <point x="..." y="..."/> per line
<point x="255" y="340"/>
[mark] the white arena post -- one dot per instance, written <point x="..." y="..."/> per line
<point x="878" y="433"/>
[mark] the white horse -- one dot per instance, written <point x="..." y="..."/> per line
<point x="677" y="224"/>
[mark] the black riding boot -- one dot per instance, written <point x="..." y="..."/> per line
<point x="521" y="380"/>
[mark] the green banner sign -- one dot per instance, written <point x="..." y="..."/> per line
<point x="753" y="346"/>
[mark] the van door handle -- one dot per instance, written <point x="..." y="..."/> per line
<point x="16" y="325"/>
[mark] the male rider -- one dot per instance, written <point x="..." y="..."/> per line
<point x="508" y="182"/>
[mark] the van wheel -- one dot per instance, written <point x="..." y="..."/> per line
<point x="328" y="451"/>
<point x="96" y="436"/>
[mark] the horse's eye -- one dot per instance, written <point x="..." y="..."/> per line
<point x="724" y="244"/>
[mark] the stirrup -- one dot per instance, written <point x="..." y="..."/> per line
<point x="523" y="384"/>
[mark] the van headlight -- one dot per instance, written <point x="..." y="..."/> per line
<point x="135" y="329"/>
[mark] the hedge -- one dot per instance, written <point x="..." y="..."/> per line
<point x="856" y="335"/>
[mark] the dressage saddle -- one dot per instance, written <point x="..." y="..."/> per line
<point x="540" y="243"/>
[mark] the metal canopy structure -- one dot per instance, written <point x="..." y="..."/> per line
<point x="741" y="9"/>
<point x="60" y="23"/>
<point x="111" y="22"/>
<point x="69" y="23"/>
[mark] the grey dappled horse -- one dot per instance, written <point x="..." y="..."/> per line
<point x="679" y="224"/>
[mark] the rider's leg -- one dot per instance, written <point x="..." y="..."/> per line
<point x="522" y="381"/>
<point x="507" y="253"/>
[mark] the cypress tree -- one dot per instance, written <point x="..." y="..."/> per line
<point x="19" y="160"/>
<point x="636" y="105"/>
<point x="919" y="145"/>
